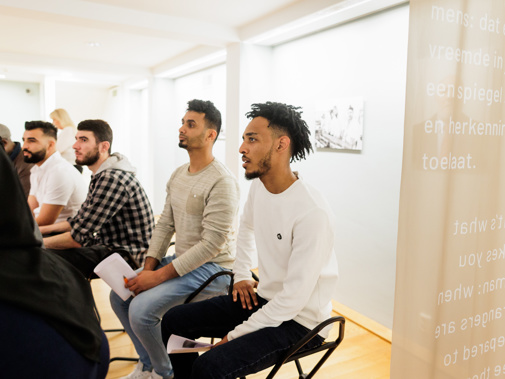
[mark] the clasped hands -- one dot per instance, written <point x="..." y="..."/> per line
<point x="146" y="279"/>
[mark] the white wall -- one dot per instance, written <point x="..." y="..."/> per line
<point x="366" y="58"/>
<point x="21" y="102"/>
<point x="81" y="101"/>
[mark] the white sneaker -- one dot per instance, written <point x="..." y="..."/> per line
<point x="154" y="375"/>
<point x="138" y="373"/>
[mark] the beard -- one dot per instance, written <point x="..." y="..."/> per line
<point x="35" y="157"/>
<point x="192" y="143"/>
<point x="264" y="165"/>
<point x="89" y="159"/>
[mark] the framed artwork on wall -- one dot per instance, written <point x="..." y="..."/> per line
<point x="339" y="124"/>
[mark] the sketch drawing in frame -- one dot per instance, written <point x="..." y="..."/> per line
<point x="339" y="124"/>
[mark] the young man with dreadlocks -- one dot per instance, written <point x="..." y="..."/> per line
<point x="290" y="226"/>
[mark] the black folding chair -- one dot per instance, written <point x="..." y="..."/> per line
<point x="297" y="352"/>
<point x="190" y="298"/>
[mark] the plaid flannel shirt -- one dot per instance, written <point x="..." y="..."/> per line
<point x="116" y="213"/>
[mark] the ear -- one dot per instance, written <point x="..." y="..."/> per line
<point x="283" y="144"/>
<point x="103" y="147"/>
<point x="212" y="134"/>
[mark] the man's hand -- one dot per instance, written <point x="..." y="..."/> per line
<point x="223" y="341"/>
<point x="245" y="290"/>
<point x="145" y="280"/>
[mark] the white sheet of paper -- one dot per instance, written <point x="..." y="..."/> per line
<point x="178" y="344"/>
<point x="113" y="270"/>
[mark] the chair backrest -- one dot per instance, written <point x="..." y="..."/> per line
<point x="207" y="282"/>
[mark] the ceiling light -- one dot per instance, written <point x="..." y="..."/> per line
<point x="93" y="44"/>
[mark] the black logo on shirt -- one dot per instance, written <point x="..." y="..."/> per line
<point x="279" y="236"/>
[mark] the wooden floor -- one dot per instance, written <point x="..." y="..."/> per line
<point x="362" y="355"/>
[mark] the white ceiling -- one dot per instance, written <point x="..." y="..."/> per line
<point x="111" y="41"/>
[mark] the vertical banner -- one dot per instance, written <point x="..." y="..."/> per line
<point x="449" y="319"/>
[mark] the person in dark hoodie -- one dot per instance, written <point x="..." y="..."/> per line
<point x="14" y="151"/>
<point x="48" y="322"/>
<point x="116" y="213"/>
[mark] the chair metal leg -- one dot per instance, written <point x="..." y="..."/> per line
<point x="113" y="330"/>
<point x="124" y="359"/>
<point x="301" y="374"/>
<point x="128" y="359"/>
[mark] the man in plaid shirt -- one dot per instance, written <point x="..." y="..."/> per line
<point x="116" y="213"/>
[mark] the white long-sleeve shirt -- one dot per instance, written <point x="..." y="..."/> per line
<point x="293" y="233"/>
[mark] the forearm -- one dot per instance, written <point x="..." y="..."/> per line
<point x="48" y="214"/>
<point x="59" y="227"/>
<point x="61" y="241"/>
<point x="162" y="235"/>
<point x="167" y="272"/>
<point x="151" y="263"/>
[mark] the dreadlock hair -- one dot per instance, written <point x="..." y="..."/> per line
<point x="286" y="119"/>
<point x="212" y="114"/>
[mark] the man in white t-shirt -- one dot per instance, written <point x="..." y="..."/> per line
<point x="57" y="188"/>
<point x="290" y="226"/>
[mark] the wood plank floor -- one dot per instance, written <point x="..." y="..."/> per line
<point x="362" y="355"/>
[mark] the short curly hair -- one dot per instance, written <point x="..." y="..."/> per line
<point x="286" y="119"/>
<point x="212" y="114"/>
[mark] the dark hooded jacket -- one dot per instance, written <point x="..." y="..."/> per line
<point x="40" y="282"/>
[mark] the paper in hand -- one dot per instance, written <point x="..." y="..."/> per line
<point x="178" y="344"/>
<point x="113" y="270"/>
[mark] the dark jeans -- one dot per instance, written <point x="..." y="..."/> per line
<point x="31" y="348"/>
<point x="245" y="355"/>
<point x="84" y="259"/>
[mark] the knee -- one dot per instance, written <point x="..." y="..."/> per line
<point x="140" y="314"/>
<point x="170" y="324"/>
<point x="166" y="323"/>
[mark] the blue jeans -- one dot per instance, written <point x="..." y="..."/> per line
<point x="242" y="356"/>
<point x="141" y="315"/>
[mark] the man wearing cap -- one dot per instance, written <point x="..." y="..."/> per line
<point x="13" y="150"/>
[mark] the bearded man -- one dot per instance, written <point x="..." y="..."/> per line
<point x="116" y="213"/>
<point x="57" y="189"/>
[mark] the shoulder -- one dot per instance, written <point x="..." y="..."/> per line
<point x="177" y="175"/>
<point x="222" y="176"/>
<point x="114" y="177"/>
<point x="220" y="172"/>
<point x="179" y="170"/>
<point x="310" y="200"/>
<point x="63" y="170"/>
<point x="309" y="193"/>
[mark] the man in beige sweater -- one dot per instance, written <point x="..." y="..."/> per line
<point x="201" y="207"/>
